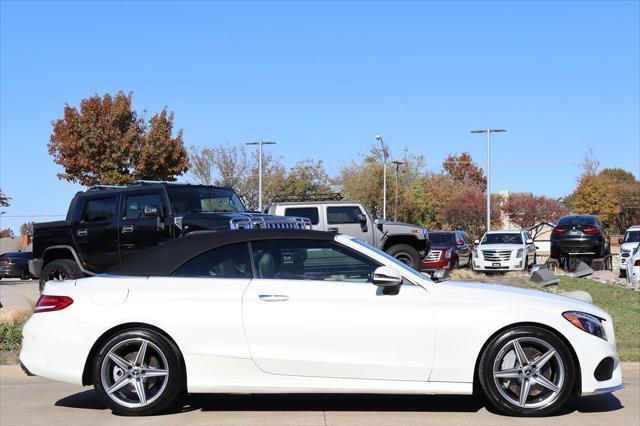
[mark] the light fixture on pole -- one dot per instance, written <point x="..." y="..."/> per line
<point x="395" y="204"/>
<point x="384" y="177"/>
<point x="260" y="143"/>
<point x="488" y="132"/>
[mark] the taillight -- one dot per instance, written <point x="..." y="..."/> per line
<point x="558" y="231"/>
<point x="636" y="263"/>
<point x="590" y="230"/>
<point x="48" y="303"/>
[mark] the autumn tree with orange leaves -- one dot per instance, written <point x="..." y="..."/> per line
<point x="106" y="142"/>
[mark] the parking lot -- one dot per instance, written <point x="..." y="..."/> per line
<point x="32" y="400"/>
<point x="18" y="293"/>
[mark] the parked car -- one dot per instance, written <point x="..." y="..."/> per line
<point x="579" y="233"/>
<point x="293" y="311"/>
<point x="15" y="265"/>
<point x="627" y="245"/>
<point x="633" y="268"/>
<point x="449" y="250"/>
<point x="407" y="243"/>
<point x="107" y="224"/>
<point x="504" y="251"/>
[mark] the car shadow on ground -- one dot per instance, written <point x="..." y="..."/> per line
<point x="344" y="402"/>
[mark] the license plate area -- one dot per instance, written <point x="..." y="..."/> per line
<point x="573" y="232"/>
<point x="496" y="264"/>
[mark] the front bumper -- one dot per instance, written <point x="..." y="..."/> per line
<point x="35" y="267"/>
<point x="439" y="264"/>
<point x="479" y="264"/>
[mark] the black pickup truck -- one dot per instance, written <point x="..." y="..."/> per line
<point x="106" y="224"/>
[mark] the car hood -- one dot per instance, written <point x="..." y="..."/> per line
<point x="513" y="296"/>
<point x="499" y="246"/>
<point x="628" y="246"/>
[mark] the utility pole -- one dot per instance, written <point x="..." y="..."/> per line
<point x="260" y="143"/>
<point x="384" y="177"/>
<point x="395" y="207"/>
<point x="488" y="132"/>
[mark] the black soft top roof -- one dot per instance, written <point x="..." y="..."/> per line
<point x="165" y="258"/>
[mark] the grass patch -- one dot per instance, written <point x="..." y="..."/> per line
<point x="11" y="322"/>
<point x="621" y="303"/>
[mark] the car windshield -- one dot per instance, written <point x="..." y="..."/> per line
<point x="577" y="221"/>
<point x="501" y="239"/>
<point x="391" y="258"/>
<point x="632" y="237"/>
<point x="185" y="199"/>
<point x="441" y="239"/>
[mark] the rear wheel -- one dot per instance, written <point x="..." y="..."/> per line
<point x="59" y="270"/>
<point x="25" y="274"/>
<point x="527" y="371"/>
<point x="138" y="372"/>
<point x="623" y="273"/>
<point x="405" y="254"/>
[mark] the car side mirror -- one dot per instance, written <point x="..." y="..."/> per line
<point x="476" y="242"/>
<point x="150" y="210"/>
<point x="362" y="220"/>
<point x="619" y="240"/>
<point x="385" y="276"/>
<point x="529" y="241"/>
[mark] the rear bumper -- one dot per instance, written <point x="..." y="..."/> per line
<point x="10" y="271"/>
<point x="35" y="267"/>
<point x="577" y="245"/>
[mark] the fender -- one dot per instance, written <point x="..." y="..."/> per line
<point x="73" y="253"/>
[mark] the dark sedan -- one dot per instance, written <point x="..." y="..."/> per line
<point x="579" y="234"/>
<point x="15" y="265"/>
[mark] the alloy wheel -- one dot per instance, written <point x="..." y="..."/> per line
<point x="529" y="372"/>
<point x="134" y="373"/>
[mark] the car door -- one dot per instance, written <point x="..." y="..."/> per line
<point x="137" y="231"/>
<point x="345" y="218"/>
<point x="313" y="311"/>
<point x="96" y="232"/>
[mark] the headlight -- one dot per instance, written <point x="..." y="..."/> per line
<point x="475" y="253"/>
<point x="586" y="322"/>
<point x="447" y="254"/>
<point x="519" y="253"/>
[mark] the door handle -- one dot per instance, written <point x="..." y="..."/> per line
<point x="127" y="228"/>
<point x="332" y="229"/>
<point x="81" y="232"/>
<point x="273" y="297"/>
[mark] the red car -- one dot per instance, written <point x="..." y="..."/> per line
<point x="449" y="250"/>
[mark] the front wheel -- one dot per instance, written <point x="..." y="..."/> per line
<point x="527" y="371"/>
<point x="138" y="372"/>
<point x="405" y="254"/>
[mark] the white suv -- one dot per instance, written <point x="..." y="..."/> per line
<point x="627" y="244"/>
<point x="504" y="251"/>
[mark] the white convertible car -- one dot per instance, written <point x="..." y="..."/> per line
<point x="284" y="311"/>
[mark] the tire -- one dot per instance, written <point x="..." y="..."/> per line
<point x="25" y="274"/>
<point x="58" y="270"/>
<point x="133" y="375"/>
<point x="602" y="251"/>
<point x="623" y="273"/>
<point x="500" y="356"/>
<point x="555" y="253"/>
<point x="405" y="254"/>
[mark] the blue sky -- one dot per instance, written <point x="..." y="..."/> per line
<point x="323" y="78"/>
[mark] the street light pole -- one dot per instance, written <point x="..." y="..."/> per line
<point x="384" y="177"/>
<point x="260" y="143"/>
<point x="395" y="206"/>
<point x="488" y="132"/>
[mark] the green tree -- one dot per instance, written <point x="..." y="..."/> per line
<point x="593" y="196"/>
<point x="106" y="142"/>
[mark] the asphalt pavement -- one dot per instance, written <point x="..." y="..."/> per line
<point x="36" y="401"/>
<point x="18" y="294"/>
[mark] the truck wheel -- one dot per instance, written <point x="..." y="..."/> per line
<point x="405" y="254"/>
<point x="58" y="270"/>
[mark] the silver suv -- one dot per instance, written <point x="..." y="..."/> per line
<point x="407" y="243"/>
